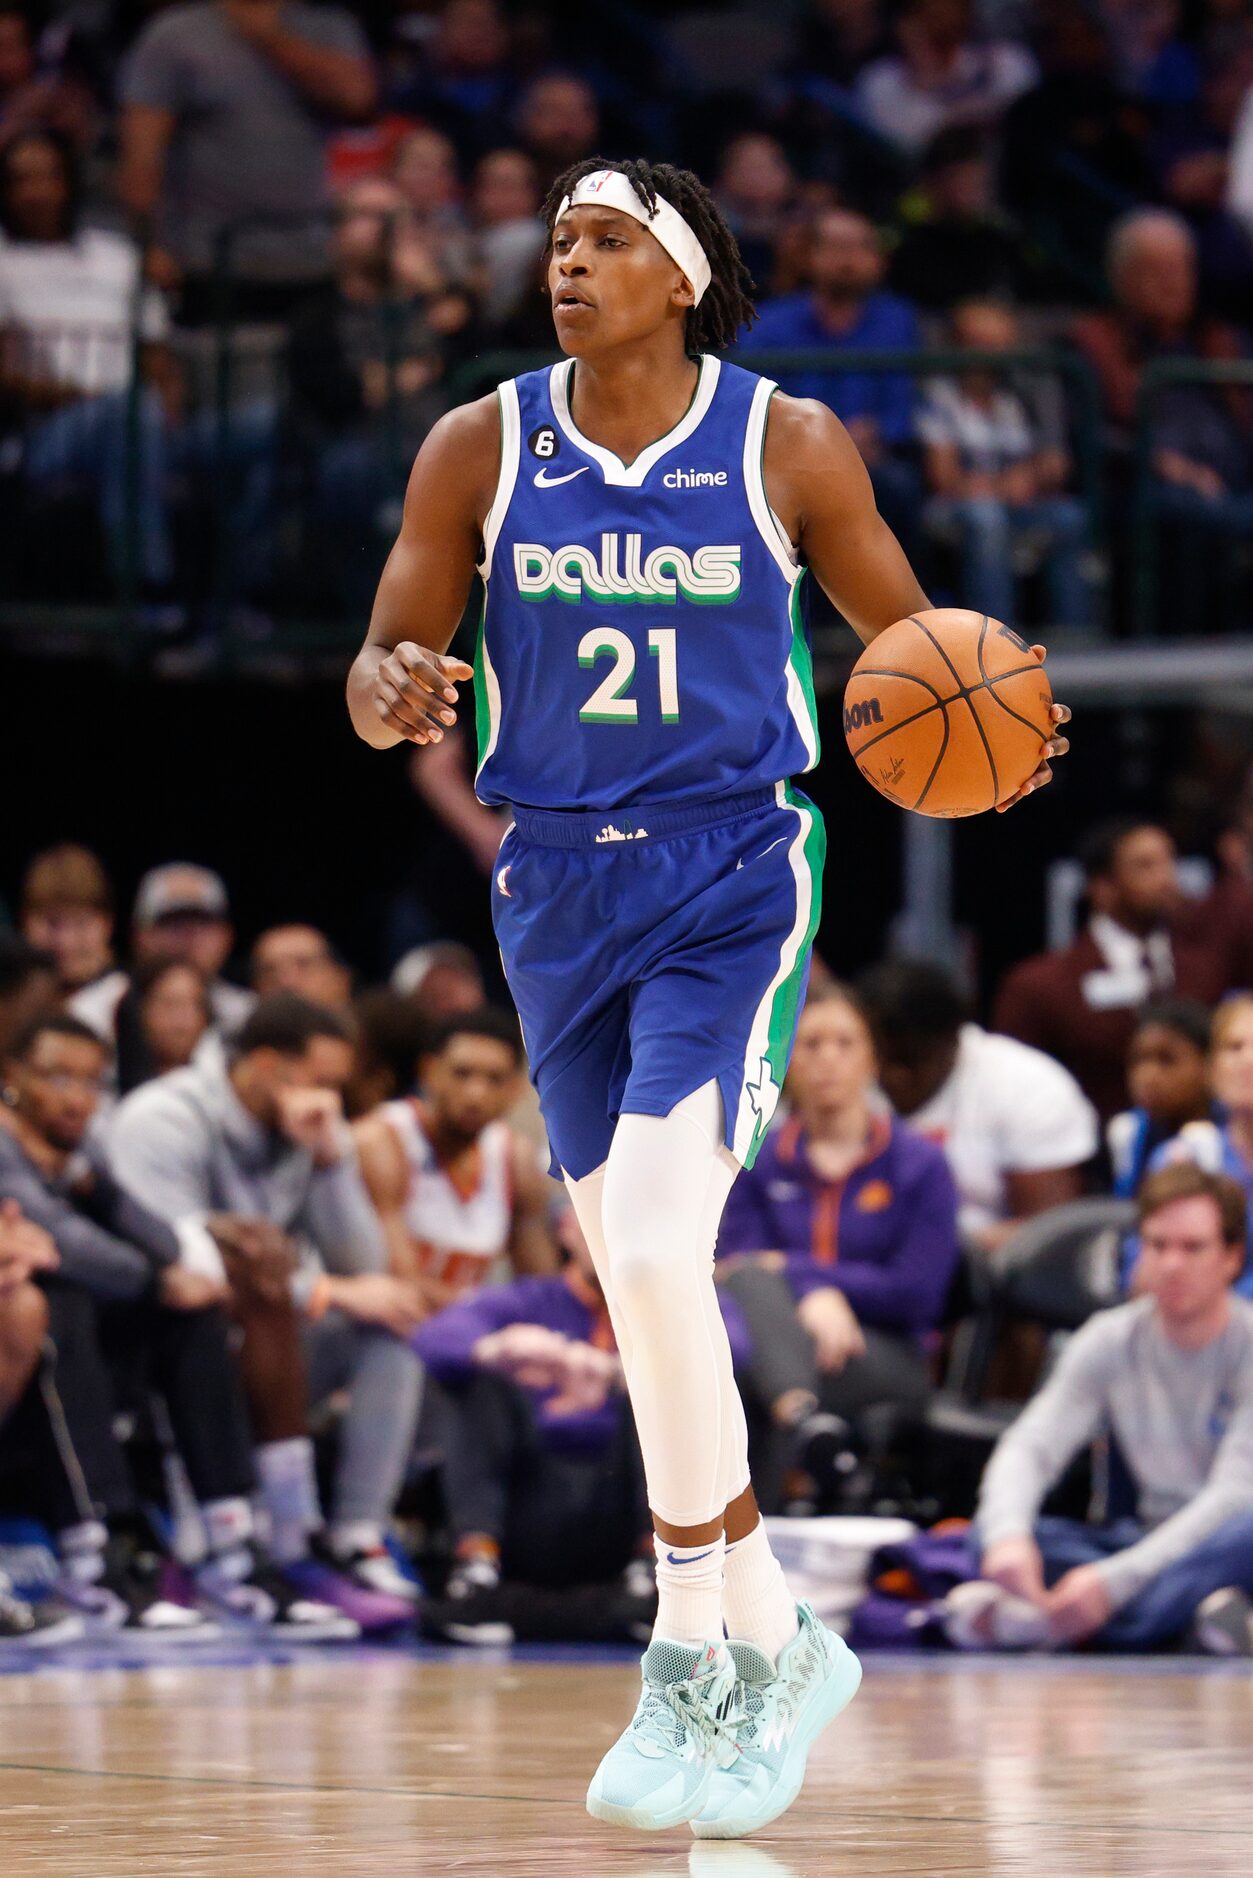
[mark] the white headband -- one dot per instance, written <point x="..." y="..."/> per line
<point x="611" y="189"/>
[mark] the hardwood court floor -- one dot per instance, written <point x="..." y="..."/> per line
<point x="384" y="1762"/>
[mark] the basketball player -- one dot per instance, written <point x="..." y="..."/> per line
<point x="640" y="516"/>
<point x="454" y="1187"/>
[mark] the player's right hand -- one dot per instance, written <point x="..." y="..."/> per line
<point x="413" y="691"/>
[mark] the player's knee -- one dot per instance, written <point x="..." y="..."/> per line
<point x="642" y="1265"/>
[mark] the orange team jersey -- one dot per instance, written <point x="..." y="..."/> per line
<point x="460" y="1222"/>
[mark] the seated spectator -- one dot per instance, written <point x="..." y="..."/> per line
<point x="1222" y="1143"/>
<point x="363" y="362"/>
<point x="38" y="94"/>
<point x="28" y="986"/>
<point x="957" y="244"/>
<point x="424" y="170"/>
<point x="839" y="38"/>
<point x="440" y="981"/>
<point x="161" y="1020"/>
<point x="1169" y="1378"/>
<point x="225" y="110"/>
<point x="1192" y="158"/>
<point x="1152" y="58"/>
<point x="845" y="308"/>
<point x="120" y="1289"/>
<point x="997" y="485"/>
<point x="456" y="1190"/>
<point x="1200" y="436"/>
<point x="67" y="301"/>
<point x="1016" y="1128"/>
<point x="390" y="1038"/>
<point x="261" y="1134"/>
<point x="1168" y="1082"/>
<point x="942" y="76"/>
<point x="302" y="960"/>
<point x="509" y="235"/>
<point x="542" y="1475"/>
<point x="66" y="910"/>
<point x="181" y="912"/>
<point x="457" y="75"/>
<point x="755" y="188"/>
<point x="1080" y="1004"/>
<point x="558" y="123"/>
<point x="26" y="1251"/>
<point x="840" y="1242"/>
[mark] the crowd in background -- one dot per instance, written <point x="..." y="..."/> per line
<point x="297" y="1331"/>
<point x="358" y="189"/>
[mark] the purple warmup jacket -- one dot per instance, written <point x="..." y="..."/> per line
<point x="564" y="1303"/>
<point x="886" y="1235"/>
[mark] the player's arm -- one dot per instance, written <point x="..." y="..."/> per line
<point x="532" y="1248"/>
<point x="385" y="1175"/>
<point x="401" y="685"/>
<point x="820" y="490"/>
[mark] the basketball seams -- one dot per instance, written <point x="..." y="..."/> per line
<point x="964" y="692"/>
<point x="935" y="768"/>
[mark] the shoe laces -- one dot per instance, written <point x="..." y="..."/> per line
<point x="670" y="1711"/>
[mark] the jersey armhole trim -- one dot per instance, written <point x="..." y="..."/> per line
<point x="769" y="527"/>
<point x="510" y="443"/>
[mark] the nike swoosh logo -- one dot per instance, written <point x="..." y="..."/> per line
<point x="672" y="1560"/>
<point x="544" y="481"/>
<point x="765" y="851"/>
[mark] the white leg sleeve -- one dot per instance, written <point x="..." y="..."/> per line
<point x="665" y="1184"/>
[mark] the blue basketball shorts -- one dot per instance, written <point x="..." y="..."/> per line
<point x="654" y="950"/>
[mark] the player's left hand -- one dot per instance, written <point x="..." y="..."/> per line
<point x="1078" y="1605"/>
<point x="1056" y="746"/>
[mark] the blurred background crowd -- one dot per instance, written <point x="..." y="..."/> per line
<point x="251" y="250"/>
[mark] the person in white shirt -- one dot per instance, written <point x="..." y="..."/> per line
<point x="67" y="308"/>
<point x="1015" y="1125"/>
<point x="943" y="75"/>
<point x="997" y="484"/>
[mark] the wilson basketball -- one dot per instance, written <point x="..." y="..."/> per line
<point x="947" y="712"/>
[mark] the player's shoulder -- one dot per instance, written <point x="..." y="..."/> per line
<point x="467" y="430"/>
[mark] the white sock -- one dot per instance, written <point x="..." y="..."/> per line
<point x="289" y="1494"/>
<point x="81" y="1550"/>
<point x="348" y="1536"/>
<point x="228" y="1524"/>
<point x="756" y="1602"/>
<point x="689" y="1591"/>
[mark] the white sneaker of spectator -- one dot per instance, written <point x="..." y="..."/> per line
<point x="983" y="1616"/>
<point x="1224" y="1623"/>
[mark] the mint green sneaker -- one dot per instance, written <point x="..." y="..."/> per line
<point x="781" y="1712"/>
<point x="657" y="1774"/>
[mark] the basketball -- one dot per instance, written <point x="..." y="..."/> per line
<point x="947" y="712"/>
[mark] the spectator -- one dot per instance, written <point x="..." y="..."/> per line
<point x="161" y="1020"/>
<point x="1151" y="58"/>
<point x="34" y="94"/>
<point x="120" y="1288"/>
<point x="997" y="483"/>
<point x="181" y="912"/>
<point x="262" y="1135"/>
<point x="957" y="244"/>
<point x="839" y="1244"/>
<point x="1168" y="1081"/>
<point x="941" y="77"/>
<point x="846" y="309"/>
<point x="457" y="76"/>
<point x="1192" y="157"/>
<point x="29" y="987"/>
<point x="755" y="189"/>
<point x="363" y="362"/>
<point x="1222" y="1143"/>
<point x="1169" y="1378"/>
<point x="1080" y="1004"/>
<point x="509" y="235"/>
<point x="67" y="302"/>
<point x="558" y="122"/>
<point x="1015" y="1126"/>
<point x="838" y="39"/>
<point x="541" y="1468"/>
<point x="455" y="1189"/>
<point x="440" y="981"/>
<point x="300" y="959"/>
<point x="67" y="911"/>
<point x="225" y="106"/>
<point x="390" y="1038"/>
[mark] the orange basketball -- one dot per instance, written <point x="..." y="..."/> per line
<point x="947" y="712"/>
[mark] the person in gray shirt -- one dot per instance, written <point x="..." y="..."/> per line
<point x="1169" y="1377"/>
<point x="259" y="1134"/>
<point x="226" y="106"/>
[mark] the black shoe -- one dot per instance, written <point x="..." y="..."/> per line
<point x="469" y="1611"/>
<point x="135" y="1595"/>
<point x="248" y="1588"/>
<point x="825" y="1450"/>
<point x="34" y="1626"/>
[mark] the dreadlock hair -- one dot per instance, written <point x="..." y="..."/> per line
<point x="726" y="304"/>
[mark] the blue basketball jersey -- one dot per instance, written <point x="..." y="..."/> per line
<point x="641" y="638"/>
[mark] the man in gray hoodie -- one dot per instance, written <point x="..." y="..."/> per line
<point x="260" y="1134"/>
<point x="1169" y="1377"/>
